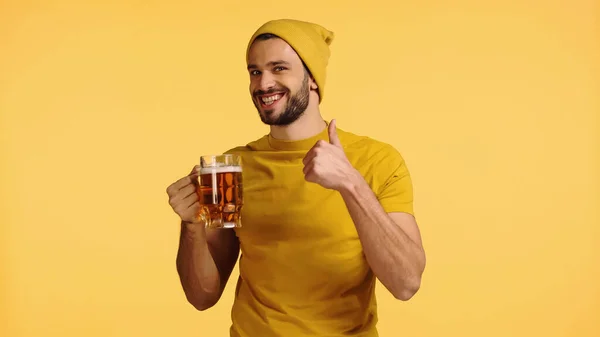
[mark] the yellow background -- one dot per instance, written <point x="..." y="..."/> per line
<point x="493" y="104"/>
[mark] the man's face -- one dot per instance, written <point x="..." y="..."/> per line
<point x="279" y="83"/>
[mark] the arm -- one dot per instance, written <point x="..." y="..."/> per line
<point x="205" y="260"/>
<point x="391" y="241"/>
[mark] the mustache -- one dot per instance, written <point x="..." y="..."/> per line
<point x="270" y="91"/>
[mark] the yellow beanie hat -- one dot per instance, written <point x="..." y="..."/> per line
<point x="310" y="41"/>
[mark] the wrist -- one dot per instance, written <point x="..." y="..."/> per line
<point x="193" y="229"/>
<point x="353" y="181"/>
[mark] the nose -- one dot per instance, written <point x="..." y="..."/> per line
<point x="267" y="81"/>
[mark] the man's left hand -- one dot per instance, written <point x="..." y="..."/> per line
<point x="326" y="163"/>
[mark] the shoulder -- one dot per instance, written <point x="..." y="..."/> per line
<point x="384" y="169"/>
<point x="237" y="150"/>
<point x="367" y="148"/>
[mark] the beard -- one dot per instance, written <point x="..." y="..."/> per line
<point x="294" y="107"/>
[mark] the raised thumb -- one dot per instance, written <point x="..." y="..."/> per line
<point x="333" y="136"/>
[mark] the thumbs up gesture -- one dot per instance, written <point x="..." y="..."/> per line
<point x="326" y="163"/>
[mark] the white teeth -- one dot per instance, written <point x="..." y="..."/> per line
<point x="271" y="99"/>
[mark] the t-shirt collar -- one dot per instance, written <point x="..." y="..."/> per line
<point x="298" y="145"/>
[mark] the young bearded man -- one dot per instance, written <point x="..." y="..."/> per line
<point x="326" y="212"/>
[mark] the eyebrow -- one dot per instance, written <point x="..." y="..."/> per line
<point x="270" y="64"/>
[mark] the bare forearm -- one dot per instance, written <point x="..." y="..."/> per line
<point x="396" y="260"/>
<point x="197" y="270"/>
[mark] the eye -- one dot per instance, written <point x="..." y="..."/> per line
<point x="254" y="72"/>
<point x="278" y="69"/>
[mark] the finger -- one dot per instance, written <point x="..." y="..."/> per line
<point x="179" y="184"/>
<point x="310" y="156"/>
<point x="182" y="194"/>
<point x="183" y="205"/>
<point x="190" y="214"/>
<point x="310" y="174"/>
<point x="194" y="175"/>
<point x="311" y="169"/>
<point x="190" y="200"/>
<point x="314" y="151"/>
<point x="195" y="170"/>
<point x="333" y="136"/>
<point x="307" y="168"/>
<point x="193" y="212"/>
<point x="307" y="157"/>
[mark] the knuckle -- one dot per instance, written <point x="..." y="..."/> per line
<point x="179" y="210"/>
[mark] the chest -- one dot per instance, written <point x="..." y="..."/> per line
<point x="280" y="206"/>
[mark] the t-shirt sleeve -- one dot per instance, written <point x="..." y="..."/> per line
<point x="394" y="189"/>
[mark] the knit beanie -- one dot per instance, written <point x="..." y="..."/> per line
<point x="310" y="41"/>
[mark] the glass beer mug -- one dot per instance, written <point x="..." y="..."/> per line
<point x="220" y="191"/>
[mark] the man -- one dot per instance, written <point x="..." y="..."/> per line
<point x="326" y="212"/>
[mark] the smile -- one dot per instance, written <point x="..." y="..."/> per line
<point x="271" y="99"/>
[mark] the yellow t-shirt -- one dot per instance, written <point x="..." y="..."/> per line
<point x="302" y="268"/>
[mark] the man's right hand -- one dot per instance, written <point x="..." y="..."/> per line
<point x="184" y="199"/>
<point x="204" y="259"/>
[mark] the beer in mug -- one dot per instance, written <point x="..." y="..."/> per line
<point x="220" y="191"/>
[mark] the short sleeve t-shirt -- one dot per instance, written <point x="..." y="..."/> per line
<point x="302" y="268"/>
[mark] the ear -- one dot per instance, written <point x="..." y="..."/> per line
<point x="313" y="84"/>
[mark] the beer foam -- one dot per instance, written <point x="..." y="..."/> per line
<point x="220" y="169"/>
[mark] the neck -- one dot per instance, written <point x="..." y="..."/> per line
<point x="309" y="124"/>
